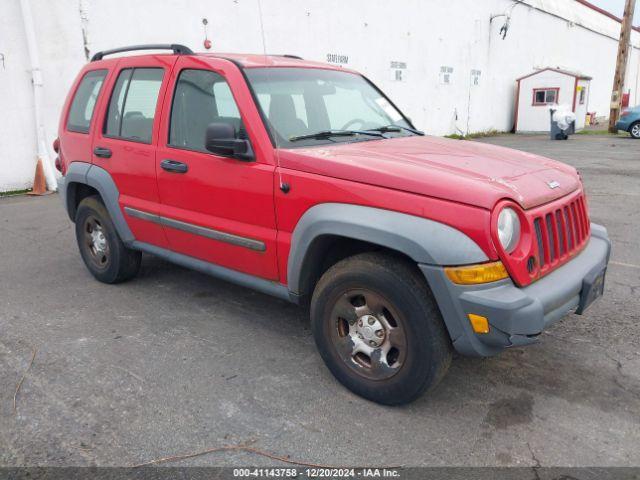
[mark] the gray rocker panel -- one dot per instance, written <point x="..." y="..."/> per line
<point x="425" y="241"/>
<point x="269" y="287"/>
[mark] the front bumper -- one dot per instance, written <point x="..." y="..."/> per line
<point x="516" y="315"/>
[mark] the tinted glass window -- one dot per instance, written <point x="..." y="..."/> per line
<point x="116" y="103"/>
<point x="303" y="101"/>
<point x="133" y="103"/>
<point x="201" y="97"/>
<point x="225" y="104"/>
<point x="84" y="101"/>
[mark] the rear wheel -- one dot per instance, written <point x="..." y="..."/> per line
<point x="378" y="329"/>
<point x="102" y="250"/>
<point x="634" y="130"/>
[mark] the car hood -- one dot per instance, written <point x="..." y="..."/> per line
<point x="473" y="173"/>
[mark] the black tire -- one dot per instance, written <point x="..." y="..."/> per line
<point x="397" y="284"/>
<point x="634" y="130"/>
<point x="105" y="256"/>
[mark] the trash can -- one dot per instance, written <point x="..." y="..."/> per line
<point x="562" y="125"/>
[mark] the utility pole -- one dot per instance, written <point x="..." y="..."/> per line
<point x="621" y="64"/>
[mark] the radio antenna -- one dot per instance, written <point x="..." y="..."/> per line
<point x="283" y="186"/>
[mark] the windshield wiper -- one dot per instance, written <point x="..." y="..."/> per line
<point x="335" y="133"/>
<point x="396" y="128"/>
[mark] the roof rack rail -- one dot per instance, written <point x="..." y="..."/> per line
<point x="291" y="56"/>
<point x="177" y="49"/>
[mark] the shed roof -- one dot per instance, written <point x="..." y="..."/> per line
<point x="577" y="75"/>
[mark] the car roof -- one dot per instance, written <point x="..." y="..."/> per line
<point x="254" y="60"/>
<point x="245" y="60"/>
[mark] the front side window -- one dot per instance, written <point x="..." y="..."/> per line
<point x="201" y="97"/>
<point x="84" y="101"/>
<point x="132" y="107"/>
<point x="545" y="96"/>
<point x="305" y="101"/>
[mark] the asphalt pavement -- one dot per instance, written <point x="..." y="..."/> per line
<point x="177" y="362"/>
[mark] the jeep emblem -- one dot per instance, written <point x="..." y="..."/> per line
<point x="553" y="184"/>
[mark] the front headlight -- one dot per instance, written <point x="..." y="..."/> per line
<point x="508" y="229"/>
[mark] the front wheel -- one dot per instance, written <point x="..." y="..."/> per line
<point x="378" y="328"/>
<point x="634" y="130"/>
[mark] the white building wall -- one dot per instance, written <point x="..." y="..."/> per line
<point x="424" y="34"/>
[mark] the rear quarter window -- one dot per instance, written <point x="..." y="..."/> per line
<point x="84" y="101"/>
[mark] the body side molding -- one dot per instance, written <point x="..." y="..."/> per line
<point x="218" y="235"/>
<point x="424" y="241"/>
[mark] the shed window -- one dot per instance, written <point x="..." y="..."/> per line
<point x="582" y="95"/>
<point x="545" y="96"/>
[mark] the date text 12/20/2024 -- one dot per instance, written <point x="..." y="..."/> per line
<point x="316" y="473"/>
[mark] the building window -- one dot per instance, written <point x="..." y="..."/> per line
<point x="545" y="96"/>
<point x="582" y="95"/>
<point x="475" y="77"/>
<point x="445" y="75"/>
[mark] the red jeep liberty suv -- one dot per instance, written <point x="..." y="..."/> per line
<point x="304" y="181"/>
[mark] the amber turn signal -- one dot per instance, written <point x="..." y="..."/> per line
<point x="474" y="274"/>
<point x="479" y="323"/>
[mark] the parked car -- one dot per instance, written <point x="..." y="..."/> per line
<point x="630" y="121"/>
<point x="304" y="181"/>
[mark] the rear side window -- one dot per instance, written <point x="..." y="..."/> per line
<point x="84" y="102"/>
<point x="132" y="107"/>
<point x="201" y="97"/>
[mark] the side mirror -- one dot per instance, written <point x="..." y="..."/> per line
<point x="220" y="139"/>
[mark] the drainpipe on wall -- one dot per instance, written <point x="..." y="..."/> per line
<point x="84" y="23"/>
<point x="38" y="92"/>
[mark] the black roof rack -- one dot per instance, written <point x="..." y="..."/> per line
<point x="177" y="49"/>
<point x="291" y="56"/>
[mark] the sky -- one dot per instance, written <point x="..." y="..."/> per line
<point x="617" y="7"/>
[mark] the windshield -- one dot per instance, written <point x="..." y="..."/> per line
<point x="305" y="105"/>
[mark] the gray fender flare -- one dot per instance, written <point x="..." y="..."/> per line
<point x="424" y="241"/>
<point x="98" y="178"/>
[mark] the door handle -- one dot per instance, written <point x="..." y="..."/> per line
<point x="174" y="166"/>
<point x="102" y="152"/>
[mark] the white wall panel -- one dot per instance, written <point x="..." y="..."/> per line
<point x="425" y="35"/>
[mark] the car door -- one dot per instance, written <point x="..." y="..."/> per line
<point x="215" y="208"/>
<point x="125" y="144"/>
